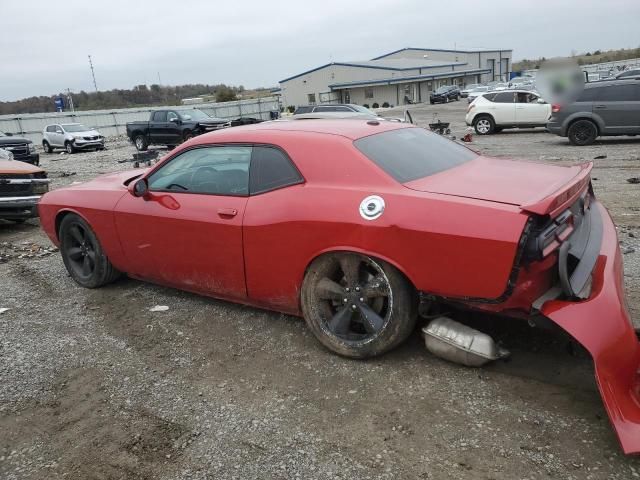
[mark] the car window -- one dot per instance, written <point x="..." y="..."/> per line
<point x="489" y="96"/>
<point x="214" y="170"/>
<point x="525" y="97"/>
<point x="174" y="115"/>
<point x="411" y="153"/>
<point x="159" y="116"/>
<point x="271" y="169"/>
<point x="503" y="97"/>
<point x="51" y="128"/>
<point x="59" y="129"/>
<point x="620" y="93"/>
<point x="326" y="109"/>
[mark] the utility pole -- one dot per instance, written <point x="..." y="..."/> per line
<point x="70" y="100"/>
<point x="93" y="74"/>
<point x="159" y="81"/>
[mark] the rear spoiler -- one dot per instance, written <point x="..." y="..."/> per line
<point x="565" y="196"/>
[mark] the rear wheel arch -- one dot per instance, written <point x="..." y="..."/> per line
<point x="591" y="119"/>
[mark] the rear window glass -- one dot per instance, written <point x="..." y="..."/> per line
<point x="620" y="93"/>
<point x="411" y="153"/>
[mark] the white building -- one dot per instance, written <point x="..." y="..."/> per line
<point x="396" y="78"/>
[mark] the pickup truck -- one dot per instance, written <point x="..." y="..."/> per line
<point x="21" y="186"/>
<point x="171" y="127"/>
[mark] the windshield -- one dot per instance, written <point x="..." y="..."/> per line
<point x="76" y="127"/>
<point x="411" y="153"/>
<point x="194" y="114"/>
<point x="442" y="89"/>
<point x="362" y="109"/>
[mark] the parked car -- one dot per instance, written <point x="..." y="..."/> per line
<point x="414" y="222"/>
<point x="338" y="107"/>
<point x="499" y="86"/>
<point x="464" y="93"/>
<point x="171" y="127"/>
<point x="632" y="74"/>
<point x="606" y="108"/>
<point x="521" y="83"/>
<point x="71" y="137"/>
<point x="21" y="187"/>
<point x="444" y="94"/>
<point x="496" y="111"/>
<point x="21" y="149"/>
<point x="476" y="92"/>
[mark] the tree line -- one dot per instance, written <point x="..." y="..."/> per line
<point x="138" y="96"/>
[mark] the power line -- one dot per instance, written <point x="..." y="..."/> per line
<point x="93" y="74"/>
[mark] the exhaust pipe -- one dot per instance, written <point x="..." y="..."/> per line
<point x="458" y="343"/>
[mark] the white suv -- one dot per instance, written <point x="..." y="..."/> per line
<point x="71" y="137"/>
<point x="495" y="111"/>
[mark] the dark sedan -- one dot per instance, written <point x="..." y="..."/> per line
<point x="445" y="94"/>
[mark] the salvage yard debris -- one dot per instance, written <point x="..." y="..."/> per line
<point x="10" y="251"/>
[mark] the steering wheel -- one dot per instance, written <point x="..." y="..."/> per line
<point x="205" y="176"/>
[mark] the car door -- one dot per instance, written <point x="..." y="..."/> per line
<point x="529" y="111"/>
<point x="58" y="136"/>
<point x="503" y="108"/>
<point x="157" y="127"/>
<point x="173" y="130"/>
<point x="187" y="231"/>
<point x="619" y="107"/>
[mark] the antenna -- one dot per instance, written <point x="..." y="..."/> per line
<point x="93" y="74"/>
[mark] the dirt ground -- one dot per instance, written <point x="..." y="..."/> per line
<point x="95" y="386"/>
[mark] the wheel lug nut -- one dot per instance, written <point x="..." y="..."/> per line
<point x="345" y="300"/>
<point x="347" y="289"/>
<point x="354" y="307"/>
<point x="361" y="300"/>
<point x="357" y="289"/>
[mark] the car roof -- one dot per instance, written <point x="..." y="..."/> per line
<point x="607" y="82"/>
<point x="352" y="129"/>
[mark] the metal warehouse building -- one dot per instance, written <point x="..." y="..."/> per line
<point x="403" y="76"/>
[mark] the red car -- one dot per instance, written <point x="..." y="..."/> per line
<point x="353" y="224"/>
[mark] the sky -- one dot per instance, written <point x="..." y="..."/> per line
<point x="255" y="43"/>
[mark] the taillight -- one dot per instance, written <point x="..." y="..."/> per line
<point x="555" y="108"/>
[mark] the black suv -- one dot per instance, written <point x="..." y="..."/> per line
<point x="22" y="149"/>
<point x="604" y="108"/>
<point x="444" y="94"/>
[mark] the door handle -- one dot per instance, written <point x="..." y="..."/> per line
<point x="599" y="107"/>
<point x="227" y="212"/>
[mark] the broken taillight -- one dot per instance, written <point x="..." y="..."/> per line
<point x="555" y="107"/>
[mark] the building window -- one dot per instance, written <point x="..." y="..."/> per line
<point x="311" y="98"/>
<point x="368" y="92"/>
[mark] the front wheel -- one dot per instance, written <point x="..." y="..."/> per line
<point x="68" y="146"/>
<point x="582" y="132"/>
<point x="357" y="306"/>
<point x="83" y="255"/>
<point x="484" y="125"/>
<point x="47" y="147"/>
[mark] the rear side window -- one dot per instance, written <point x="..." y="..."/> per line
<point x="503" y="97"/>
<point x="490" y="96"/>
<point x="620" y="93"/>
<point x="411" y="153"/>
<point x="159" y="116"/>
<point x="271" y="169"/>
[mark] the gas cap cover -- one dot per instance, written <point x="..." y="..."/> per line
<point x="371" y="207"/>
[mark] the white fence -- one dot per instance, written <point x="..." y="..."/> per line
<point x="113" y="122"/>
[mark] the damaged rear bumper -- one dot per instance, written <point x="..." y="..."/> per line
<point x="602" y="324"/>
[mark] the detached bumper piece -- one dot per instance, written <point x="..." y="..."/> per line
<point x="602" y="324"/>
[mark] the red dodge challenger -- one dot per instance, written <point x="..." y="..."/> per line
<point x="353" y="224"/>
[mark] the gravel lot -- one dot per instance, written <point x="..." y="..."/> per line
<point x="95" y="386"/>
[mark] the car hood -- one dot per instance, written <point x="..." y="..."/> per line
<point x="212" y="121"/>
<point x="11" y="140"/>
<point x="513" y="182"/>
<point x="85" y="133"/>
<point x="16" y="167"/>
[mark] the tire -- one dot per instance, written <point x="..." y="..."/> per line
<point x="141" y="143"/>
<point x="47" y="148"/>
<point x="18" y="221"/>
<point x="484" y="125"/>
<point x="83" y="255"/>
<point x="357" y="306"/>
<point x="582" y="132"/>
<point x="431" y="102"/>
<point x="70" y="149"/>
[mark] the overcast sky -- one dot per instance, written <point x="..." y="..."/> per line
<point x="44" y="45"/>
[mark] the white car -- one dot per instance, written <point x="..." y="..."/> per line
<point x="71" y="137"/>
<point x="495" y="111"/>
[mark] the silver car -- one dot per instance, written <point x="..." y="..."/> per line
<point x="71" y="137"/>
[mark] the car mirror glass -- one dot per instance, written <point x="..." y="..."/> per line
<point x="139" y="188"/>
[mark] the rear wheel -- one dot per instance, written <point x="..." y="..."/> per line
<point x="357" y="306"/>
<point x="582" y="132"/>
<point x="141" y="143"/>
<point x="47" y="147"/>
<point x="484" y="125"/>
<point x="82" y="254"/>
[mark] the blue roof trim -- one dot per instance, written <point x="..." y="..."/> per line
<point x="390" y="81"/>
<point x="439" y="50"/>
<point x="378" y="67"/>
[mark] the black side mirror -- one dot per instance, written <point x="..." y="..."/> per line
<point x="175" y="120"/>
<point x="139" y="188"/>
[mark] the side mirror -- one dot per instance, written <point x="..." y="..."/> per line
<point x="139" y="188"/>
<point x="175" y="120"/>
<point x="540" y="100"/>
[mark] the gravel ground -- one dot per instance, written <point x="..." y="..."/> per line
<point x="95" y="386"/>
